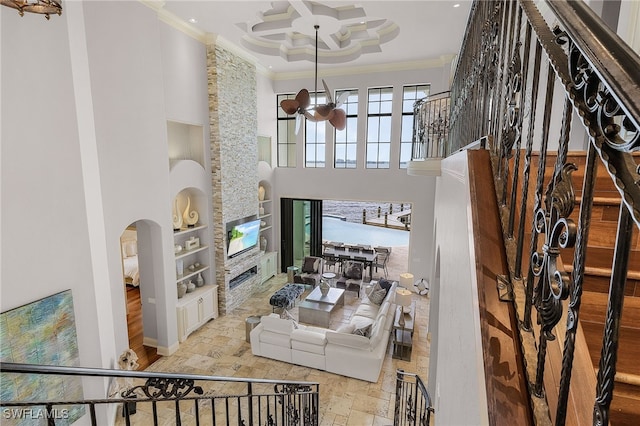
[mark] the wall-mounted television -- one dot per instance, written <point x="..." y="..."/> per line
<point x="242" y="235"/>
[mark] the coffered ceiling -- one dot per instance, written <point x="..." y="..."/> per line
<point x="369" y="33"/>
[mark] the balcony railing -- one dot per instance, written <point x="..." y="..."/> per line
<point x="162" y="398"/>
<point x="512" y="69"/>
<point x="431" y="126"/>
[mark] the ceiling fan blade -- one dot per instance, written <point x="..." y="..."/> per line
<point x="339" y="119"/>
<point x="327" y="92"/>
<point x="290" y="106"/>
<point x="342" y="98"/>
<point x="323" y="111"/>
<point x="298" y="122"/>
<point x="303" y="98"/>
<point x="322" y="117"/>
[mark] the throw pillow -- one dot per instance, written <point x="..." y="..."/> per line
<point x="316" y="265"/>
<point x="377" y="295"/>
<point x="386" y="284"/>
<point x="364" y="331"/>
<point x="353" y="271"/>
<point x="308" y="265"/>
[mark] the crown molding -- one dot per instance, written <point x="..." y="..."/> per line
<point x="370" y="69"/>
<point x="174" y="21"/>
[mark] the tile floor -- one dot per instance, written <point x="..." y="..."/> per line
<point x="219" y="348"/>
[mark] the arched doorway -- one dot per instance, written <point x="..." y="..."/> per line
<point x="133" y="281"/>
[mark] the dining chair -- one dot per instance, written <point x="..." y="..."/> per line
<point x="381" y="261"/>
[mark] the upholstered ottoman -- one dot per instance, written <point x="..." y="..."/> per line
<point x="286" y="296"/>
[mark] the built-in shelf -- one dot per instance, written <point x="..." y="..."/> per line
<point x="188" y="274"/>
<point x="265" y="215"/>
<point x="265" y="228"/>
<point x="188" y="252"/>
<point x="187" y="230"/>
<point x="264" y="201"/>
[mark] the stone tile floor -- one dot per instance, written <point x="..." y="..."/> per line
<point x="219" y="348"/>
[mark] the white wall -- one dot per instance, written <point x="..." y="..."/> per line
<point x="85" y="99"/>
<point x="381" y="185"/>
<point x="456" y="377"/>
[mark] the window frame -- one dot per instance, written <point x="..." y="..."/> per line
<point x="378" y="117"/>
<point x="288" y="146"/>
<point x="349" y="163"/>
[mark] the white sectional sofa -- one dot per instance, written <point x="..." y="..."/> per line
<point x="340" y="351"/>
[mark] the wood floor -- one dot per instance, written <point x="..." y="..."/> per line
<point x="146" y="354"/>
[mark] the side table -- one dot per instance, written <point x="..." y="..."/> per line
<point x="403" y="334"/>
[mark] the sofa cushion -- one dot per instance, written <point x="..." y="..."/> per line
<point x="276" y="339"/>
<point x="307" y="347"/>
<point x="275" y="324"/>
<point x="360" y="321"/>
<point x="346" y="328"/>
<point x="350" y="340"/>
<point x="367" y="310"/>
<point x="377" y="332"/>
<point x="311" y="335"/>
<point x="384" y="309"/>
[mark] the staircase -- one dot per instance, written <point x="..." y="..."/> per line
<point x="625" y="406"/>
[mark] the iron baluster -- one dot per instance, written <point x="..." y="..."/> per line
<point x="527" y="161"/>
<point x="553" y="282"/>
<point x="609" y="354"/>
<point x="542" y="162"/>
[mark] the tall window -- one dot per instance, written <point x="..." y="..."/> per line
<point x="379" y="128"/>
<point x="347" y="139"/>
<point x="315" y="137"/>
<point x="286" y="135"/>
<point x="410" y="94"/>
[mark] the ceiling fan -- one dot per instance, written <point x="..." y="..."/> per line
<point x="329" y="111"/>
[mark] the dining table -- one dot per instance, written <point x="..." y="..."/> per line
<point x="360" y="256"/>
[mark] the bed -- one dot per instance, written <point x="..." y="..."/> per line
<point x="129" y="247"/>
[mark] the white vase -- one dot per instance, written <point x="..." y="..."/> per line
<point x="263" y="243"/>
<point x="324" y="287"/>
<point x="261" y="193"/>
<point x="199" y="280"/>
<point x="182" y="289"/>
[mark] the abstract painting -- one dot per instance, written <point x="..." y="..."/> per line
<point x="42" y="332"/>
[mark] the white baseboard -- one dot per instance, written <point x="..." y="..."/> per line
<point x="166" y="351"/>
<point x="148" y="341"/>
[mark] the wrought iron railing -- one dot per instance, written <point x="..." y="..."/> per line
<point x="170" y="398"/>
<point x="505" y="85"/>
<point x="413" y="403"/>
<point x="430" y="126"/>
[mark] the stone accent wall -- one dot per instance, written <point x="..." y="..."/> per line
<point x="234" y="157"/>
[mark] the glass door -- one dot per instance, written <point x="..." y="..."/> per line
<point x="301" y="230"/>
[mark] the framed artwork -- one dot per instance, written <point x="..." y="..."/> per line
<point x="42" y="332"/>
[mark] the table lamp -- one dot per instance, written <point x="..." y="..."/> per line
<point x="403" y="299"/>
<point x="406" y="280"/>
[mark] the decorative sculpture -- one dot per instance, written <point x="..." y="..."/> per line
<point x="190" y="217"/>
<point x="177" y="217"/>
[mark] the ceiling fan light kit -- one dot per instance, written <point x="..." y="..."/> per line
<point x="43" y="7"/>
<point x="327" y="112"/>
